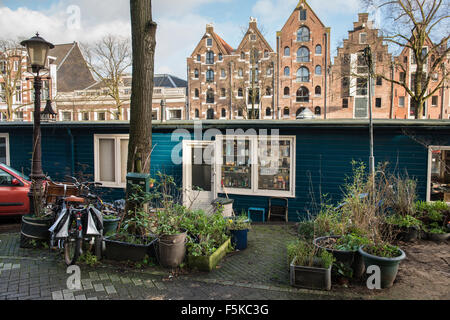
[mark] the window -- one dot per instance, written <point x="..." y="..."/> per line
<point x="266" y="54"/>
<point x="18" y="115"/>
<point x="210" y="76"/>
<point x="346" y="59"/>
<point x="434" y="101"/>
<point x="303" y="74"/>
<point x="362" y="65"/>
<point x="268" y="91"/>
<point x="223" y="113"/>
<point x="196" y="93"/>
<point x="303" y="34"/>
<point x="223" y="73"/>
<point x="210" y="96"/>
<point x="287" y="51"/>
<point x="363" y="38"/>
<point x="319" y="49"/>
<point x="257" y="165"/>
<point x="155" y="115"/>
<point x="220" y="57"/>
<point x="318" y="91"/>
<point x="287" y="71"/>
<point x="317" y="111"/>
<point x="253" y="96"/>
<point x="209" y="42"/>
<point x="66" y="116"/>
<point x="223" y="92"/>
<point x="318" y="70"/>
<point x="101" y="116"/>
<point x="380" y="56"/>
<point x="18" y="94"/>
<point x="175" y="114"/>
<point x="4" y="148"/>
<point x="287" y="92"/>
<point x="256" y="72"/>
<point x="110" y="160"/>
<point x="5" y="179"/>
<point x="286" y="112"/>
<point x="378" y="102"/>
<point x="210" y="57"/>
<point x="268" y="112"/>
<point x="197" y="114"/>
<point x="302" y="14"/>
<point x="196" y="74"/>
<point x="401" y="102"/>
<point x="242" y="55"/>
<point x="269" y="71"/>
<point x="85" y="116"/>
<point x="199" y="58"/>
<point x="210" y="114"/>
<point x="253" y="37"/>
<point x="302" y="95"/>
<point x="361" y="86"/>
<point x="379" y="81"/>
<point x="303" y="54"/>
<point x="240" y="92"/>
<point x="438" y="174"/>
<point x="344" y="103"/>
<point x="402" y="77"/>
<point x="240" y="73"/>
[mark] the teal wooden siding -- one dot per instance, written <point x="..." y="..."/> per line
<point x="323" y="157"/>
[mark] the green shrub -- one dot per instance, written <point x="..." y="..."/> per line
<point x="404" y="221"/>
<point x="351" y="242"/>
<point x="308" y="255"/>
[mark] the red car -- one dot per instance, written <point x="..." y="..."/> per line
<point x="14" y="188"/>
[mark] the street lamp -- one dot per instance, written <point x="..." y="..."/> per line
<point x="163" y="110"/>
<point x="38" y="50"/>
<point x="48" y="115"/>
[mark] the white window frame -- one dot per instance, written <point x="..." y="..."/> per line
<point x="6" y="136"/>
<point x="118" y="174"/>
<point x="254" y="190"/>
<point x="430" y="158"/>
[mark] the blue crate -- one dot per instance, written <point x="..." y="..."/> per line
<point x="257" y="214"/>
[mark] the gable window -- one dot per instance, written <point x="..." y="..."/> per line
<point x="363" y="38"/>
<point x="4" y="148"/>
<point x="303" y="34"/>
<point x="266" y="54"/>
<point x="209" y="76"/>
<point x="287" y="51"/>
<point x="220" y="57"/>
<point x="253" y="37"/>
<point x="319" y="49"/>
<point x="361" y="87"/>
<point x="110" y="160"/>
<point x="302" y="14"/>
<point x="199" y="58"/>
<point x="242" y="55"/>
<point x="196" y="74"/>
<point x="209" y="42"/>
<point x="302" y="95"/>
<point x="303" y="74"/>
<point x="303" y="54"/>
<point x="210" y="57"/>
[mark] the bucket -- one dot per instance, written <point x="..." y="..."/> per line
<point x="239" y="239"/>
<point x="172" y="250"/>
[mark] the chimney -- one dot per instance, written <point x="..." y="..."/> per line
<point x="210" y="28"/>
<point x="253" y="23"/>
<point x="363" y="17"/>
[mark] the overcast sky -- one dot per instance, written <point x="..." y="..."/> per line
<point x="181" y="23"/>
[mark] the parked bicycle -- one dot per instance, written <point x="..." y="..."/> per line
<point x="79" y="220"/>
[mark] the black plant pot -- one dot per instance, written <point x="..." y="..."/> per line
<point x="408" y="234"/>
<point x="125" y="251"/>
<point x="349" y="258"/>
<point x="110" y="226"/>
<point x="34" y="229"/>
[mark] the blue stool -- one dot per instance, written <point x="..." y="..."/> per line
<point x="257" y="210"/>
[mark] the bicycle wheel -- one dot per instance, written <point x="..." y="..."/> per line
<point x="72" y="249"/>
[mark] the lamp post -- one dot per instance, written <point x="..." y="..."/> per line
<point x="37" y="49"/>
<point x="163" y="110"/>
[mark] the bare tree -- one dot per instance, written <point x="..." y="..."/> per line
<point x="412" y="24"/>
<point x="12" y="71"/>
<point x="109" y="59"/>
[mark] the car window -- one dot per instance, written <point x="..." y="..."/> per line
<point x="20" y="174"/>
<point x="5" y="178"/>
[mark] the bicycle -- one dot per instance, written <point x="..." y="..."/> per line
<point x="79" y="220"/>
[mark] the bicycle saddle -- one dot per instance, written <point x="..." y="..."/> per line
<point x="74" y="199"/>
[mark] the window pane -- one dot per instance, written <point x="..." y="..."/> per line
<point x="5" y="178"/>
<point x="440" y="175"/>
<point x="274" y="160"/>
<point x="3" y="150"/>
<point x="201" y="171"/>
<point x="123" y="159"/>
<point x="236" y="169"/>
<point x="107" y="160"/>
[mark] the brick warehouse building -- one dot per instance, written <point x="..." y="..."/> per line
<point x="305" y="77"/>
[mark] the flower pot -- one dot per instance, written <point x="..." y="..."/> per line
<point x="34" y="229"/>
<point x="172" y="250"/>
<point x="125" y="251"/>
<point x="438" y="236"/>
<point x="110" y="225"/>
<point x="349" y="258"/>
<point x="310" y="277"/>
<point x="239" y="239"/>
<point x="388" y="266"/>
<point x="407" y="234"/>
<point x="209" y="263"/>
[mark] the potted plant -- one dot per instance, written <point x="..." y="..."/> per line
<point x="435" y="218"/>
<point x="407" y="228"/>
<point x="208" y="241"/>
<point x="239" y="228"/>
<point x="387" y="257"/>
<point x="310" y="267"/>
<point x="110" y="223"/>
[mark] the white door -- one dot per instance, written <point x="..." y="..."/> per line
<point x="198" y="175"/>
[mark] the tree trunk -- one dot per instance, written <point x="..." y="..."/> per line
<point x="143" y="31"/>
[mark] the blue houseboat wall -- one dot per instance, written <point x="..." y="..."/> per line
<point x="324" y="152"/>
